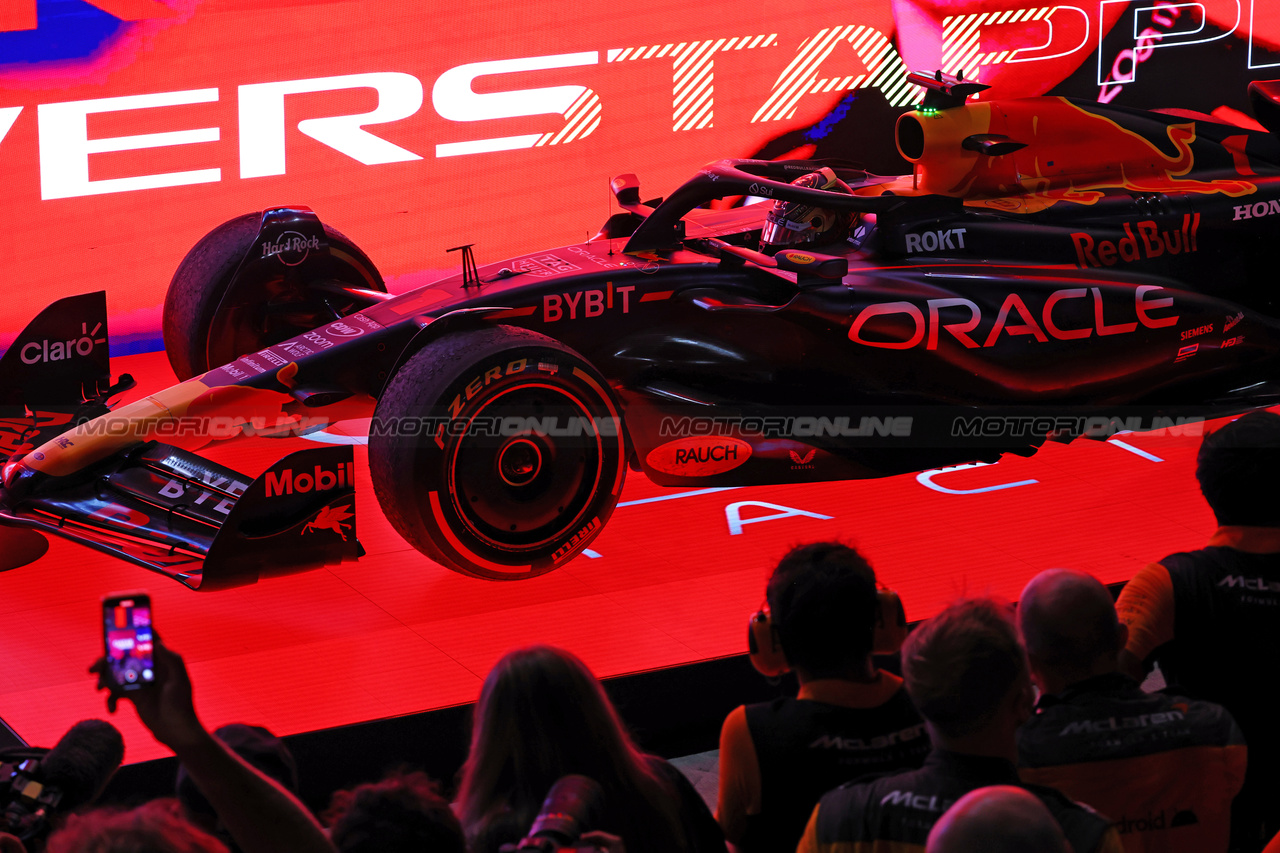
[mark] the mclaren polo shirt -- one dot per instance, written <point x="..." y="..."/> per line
<point x="777" y="758"/>
<point x="893" y="814"/>
<point x="1212" y="620"/>
<point x="1163" y="768"/>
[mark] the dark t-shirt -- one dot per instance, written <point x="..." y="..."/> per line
<point x="805" y="748"/>
<point x="627" y="816"/>
<point x="1227" y="637"/>
<point x="896" y="812"/>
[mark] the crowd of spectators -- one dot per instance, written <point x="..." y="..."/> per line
<point x="1011" y="729"/>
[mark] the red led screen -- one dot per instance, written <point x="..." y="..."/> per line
<point x="129" y="128"/>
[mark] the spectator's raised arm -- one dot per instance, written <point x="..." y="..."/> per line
<point x="258" y="812"/>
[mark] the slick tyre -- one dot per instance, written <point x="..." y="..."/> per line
<point x="499" y="453"/>
<point x="200" y="334"/>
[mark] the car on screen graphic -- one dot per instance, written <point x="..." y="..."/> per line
<point x="1050" y="269"/>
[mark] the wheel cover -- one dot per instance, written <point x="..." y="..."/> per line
<point x="518" y="492"/>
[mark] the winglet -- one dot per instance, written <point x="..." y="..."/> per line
<point x="299" y="514"/>
<point x="61" y="358"/>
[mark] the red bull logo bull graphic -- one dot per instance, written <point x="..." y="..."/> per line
<point x="1068" y="153"/>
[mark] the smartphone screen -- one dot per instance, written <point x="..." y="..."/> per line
<point x="127" y="636"/>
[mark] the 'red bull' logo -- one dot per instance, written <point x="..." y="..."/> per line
<point x="1150" y="242"/>
<point x="288" y="482"/>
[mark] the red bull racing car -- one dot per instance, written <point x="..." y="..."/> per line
<point x="1049" y="269"/>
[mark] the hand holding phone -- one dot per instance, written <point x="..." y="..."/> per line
<point x="128" y="640"/>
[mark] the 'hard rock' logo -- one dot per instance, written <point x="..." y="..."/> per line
<point x="292" y="248"/>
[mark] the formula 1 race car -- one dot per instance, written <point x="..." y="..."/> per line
<point x="1050" y="269"/>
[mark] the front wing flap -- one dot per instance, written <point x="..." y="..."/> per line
<point x="202" y="524"/>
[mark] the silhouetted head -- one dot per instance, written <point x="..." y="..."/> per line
<point x="963" y="666"/>
<point x="1238" y="467"/>
<point x="1069" y="626"/>
<point x="154" y="827"/>
<point x="822" y="603"/>
<point x="543" y="715"/>
<point x="997" y="819"/>
<point x="400" y="813"/>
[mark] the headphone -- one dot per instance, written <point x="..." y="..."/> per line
<point x="765" y="647"/>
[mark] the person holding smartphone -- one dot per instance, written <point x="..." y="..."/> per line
<point x="259" y="813"/>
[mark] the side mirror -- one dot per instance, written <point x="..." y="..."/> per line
<point x="812" y="264"/>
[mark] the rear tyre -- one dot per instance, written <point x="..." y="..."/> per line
<point x="499" y="453"/>
<point x="201" y="333"/>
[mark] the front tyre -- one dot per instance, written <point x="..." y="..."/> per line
<point x="203" y="329"/>
<point x="499" y="452"/>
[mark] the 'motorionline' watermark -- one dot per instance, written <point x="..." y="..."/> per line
<point x="1095" y="426"/>
<point x="922" y="425"/>
<point x="223" y="427"/>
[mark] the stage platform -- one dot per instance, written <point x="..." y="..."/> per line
<point x="670" y="582"/>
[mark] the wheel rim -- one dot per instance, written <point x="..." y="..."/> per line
<point x="519" y="462"/>
<point x="526" y="486"/>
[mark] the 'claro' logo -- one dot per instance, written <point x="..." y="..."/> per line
<point x="39" y="352"/>
<point x="699" y="456"/>
<point x="903" y="325"/>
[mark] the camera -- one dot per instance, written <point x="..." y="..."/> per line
<point x="28" y="803"/>
<point x="571" y="807"/>
<point x="38" y="785"/>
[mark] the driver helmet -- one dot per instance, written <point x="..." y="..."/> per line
<point x="795" y="223"/>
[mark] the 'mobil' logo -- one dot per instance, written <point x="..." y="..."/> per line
<point x="288" y="481"/>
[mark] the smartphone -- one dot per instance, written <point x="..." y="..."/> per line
<point x="128" y="640"/>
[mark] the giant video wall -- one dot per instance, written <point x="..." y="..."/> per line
<point x="129" y="128"/>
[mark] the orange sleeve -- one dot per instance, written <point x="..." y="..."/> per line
<point x="1110" y="842"/>
<point x="809" y="841"/>
<point x="1146" y="606"/>
<point x="1237" y="762"/>
<point x="739" y="790"/>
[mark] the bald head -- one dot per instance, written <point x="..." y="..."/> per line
<point x="1069" y="625"/>
<point x="998" y="819"/>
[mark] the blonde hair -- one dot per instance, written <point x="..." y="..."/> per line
<point x="960" y="664"/>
